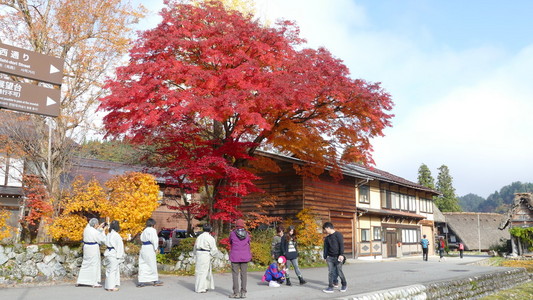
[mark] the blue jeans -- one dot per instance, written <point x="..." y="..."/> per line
<point x="294" y="263"/>
<point x="334" y="270"/>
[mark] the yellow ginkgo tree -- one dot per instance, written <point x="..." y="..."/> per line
<point x="130" y="199"/>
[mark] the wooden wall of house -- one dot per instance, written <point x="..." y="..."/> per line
<point x="285" y="188"/>
<point x="334" y="202"/>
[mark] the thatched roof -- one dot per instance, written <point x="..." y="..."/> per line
<point x="477" y="230"/>
<point x="437" y="214"/>
<point x="520" y="199"/>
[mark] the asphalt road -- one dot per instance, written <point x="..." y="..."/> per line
<point x="362" y="277"/>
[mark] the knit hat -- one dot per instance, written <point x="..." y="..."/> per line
<point x="239" y="223"/>
<point x="282" y="260"/>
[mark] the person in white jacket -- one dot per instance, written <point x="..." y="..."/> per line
<point x="91" y="268"/>
<point x="147" y="256"/>
<point x="114" y="255"/>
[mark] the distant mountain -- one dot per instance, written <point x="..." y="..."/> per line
<point x="471" y="202"/>
<point x="498" y="202"/>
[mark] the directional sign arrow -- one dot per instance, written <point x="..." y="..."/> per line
<point x="29" y="98"/>
<point x="53" y="69"/>
<point x="30" y="64"/>
<point x="50" y="101"/>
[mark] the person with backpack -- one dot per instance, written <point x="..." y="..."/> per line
<point x="289" y="249"/>
<point x="239" y="256"/>
<point x="425" y="243"/>
<point x="276" y="243"/>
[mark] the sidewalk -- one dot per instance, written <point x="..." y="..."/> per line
<point x="362" y="276"/>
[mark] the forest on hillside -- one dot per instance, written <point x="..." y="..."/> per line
<point x="498" y="202"/>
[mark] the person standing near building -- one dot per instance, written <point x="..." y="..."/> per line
<point x="91" y="267"/>
<point x="276" y="243"/>
<point x="425" y="244"/>
<point x="239" y="255"/>
<point x="204" y="249"/>
<point x="334" y="256"/>
<point x="442" y="246"/>
<point x="114" y="255"/>
<point x="289" y="249"/>
<point x="461" y="249"/>
<point x="147" y="257"/>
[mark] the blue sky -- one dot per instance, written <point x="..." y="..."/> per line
<point x="460" y="74"/>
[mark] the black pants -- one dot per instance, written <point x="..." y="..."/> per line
<point x="425" y="254"/>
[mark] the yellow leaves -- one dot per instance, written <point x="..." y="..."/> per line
<point x="69" y="227"/>
<point x="308" y="230"/>
<point x="5" y="231"/>
<point x="130" y="199"/>
<point x="85" y="197"/>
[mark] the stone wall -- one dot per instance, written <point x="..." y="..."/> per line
<point x="45" y="263"/>
<point x="464" y="288"/>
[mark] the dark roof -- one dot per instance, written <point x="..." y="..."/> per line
<point x="104" y="170"/>
<point x="477" y="229"/>
<point x="10" y="191"/>
<point x="359" y="171"/>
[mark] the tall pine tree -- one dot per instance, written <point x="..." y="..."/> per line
<point x="424" y="177"/>
<point x="447" y="201"/>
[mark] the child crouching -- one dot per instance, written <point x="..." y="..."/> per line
<point x="275" y="274"/>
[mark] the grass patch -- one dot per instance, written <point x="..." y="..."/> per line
<point x="523" y="291"/>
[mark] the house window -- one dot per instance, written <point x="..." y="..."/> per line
<point x="403" y="202"/>
<point x="409" y="235"/>
<point x="412" y="203"/>
<point x="377" y="233"/>
<point x="364" y="194"/>
<point x="395" y="197"/>
<point x="365" y="235"/>
<point x="385" y="199"/>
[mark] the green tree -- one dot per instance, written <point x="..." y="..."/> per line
<point x="424" y="177"/>
<point x="471" y="202"/>
<point x="447" y="201"/>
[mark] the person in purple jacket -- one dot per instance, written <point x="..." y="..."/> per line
<point x="239" y="255"/>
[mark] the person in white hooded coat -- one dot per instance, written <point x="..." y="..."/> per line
<point x="91" y="267"/>
<point x="147" y="257"/>
<point x="114" y="254"/>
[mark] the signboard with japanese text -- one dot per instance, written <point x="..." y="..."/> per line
<point x="32" y="65"/>
<point x="29" y="98"/>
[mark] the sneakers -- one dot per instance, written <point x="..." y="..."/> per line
<point x="273" y="283"/>
<point x="329" y="290"/>
<point x="343" y="289"/>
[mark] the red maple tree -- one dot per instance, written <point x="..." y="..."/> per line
<point x="208" y="87"/>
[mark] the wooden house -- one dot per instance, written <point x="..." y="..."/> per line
<point x="378" y="213"/>
<point x="520" y="215"/>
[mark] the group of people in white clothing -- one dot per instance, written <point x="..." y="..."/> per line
<point x="94" y="235"/>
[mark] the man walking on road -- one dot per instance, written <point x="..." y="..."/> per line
<point x="334" y="256"/>
<point x="425" y="243"/>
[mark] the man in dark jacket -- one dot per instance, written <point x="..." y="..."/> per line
<point x="334" y="256"/>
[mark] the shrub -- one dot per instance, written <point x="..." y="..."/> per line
<point x="185" y="246"/>
<point x="309" y="233"/>
<point x="261" y="253"/>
